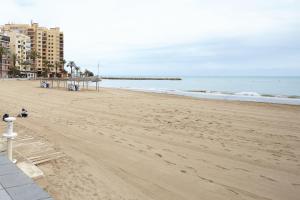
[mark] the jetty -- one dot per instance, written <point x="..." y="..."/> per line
<point x="142" y="78"/>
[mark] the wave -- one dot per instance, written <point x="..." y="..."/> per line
<point x="222" y="95"/>
<point x="249" y="94"/>
<point x="294" y="97"/>
<point x="253" y="94"/>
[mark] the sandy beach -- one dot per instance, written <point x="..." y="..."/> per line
<point x="129" y="145"/>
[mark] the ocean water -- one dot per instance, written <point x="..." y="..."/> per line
<point x="283" y="90"/>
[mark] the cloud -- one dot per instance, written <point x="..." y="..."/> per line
<point x="25" y="2"/>
<point x="131" y="35"/>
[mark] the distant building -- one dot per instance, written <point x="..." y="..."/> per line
<point x="20" y="47"/>
<point x="4" y="57"/>
<point x="47" y="43"/>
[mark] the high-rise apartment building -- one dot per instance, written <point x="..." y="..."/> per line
<point x="4" y="55"/>
<point x="48" y="44"/>
<point x="20" y="47"/>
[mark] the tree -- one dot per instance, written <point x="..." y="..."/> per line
<point x="48" y="66"/>
<point x="57" y="65"/>
<point x="72" y="65"/>
<point x="3" y="51"/>
<point x="63" y="62"/>
<point x="14" y="60"/>
<point x="33" y="55"/>
<point x="63" y="71"/>
<point x="77" y="69"/>
<point x="13" y="71"/>
<point x="88" y="73"/>
<point x="26" y="64"/>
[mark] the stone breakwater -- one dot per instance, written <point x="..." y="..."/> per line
<point x="142" y="78"/>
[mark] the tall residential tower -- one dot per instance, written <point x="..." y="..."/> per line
<point x="48" y="44"/>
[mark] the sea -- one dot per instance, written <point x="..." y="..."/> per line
<point x="279" y="89"/>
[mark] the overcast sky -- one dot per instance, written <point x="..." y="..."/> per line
<point x="171" y="37"/>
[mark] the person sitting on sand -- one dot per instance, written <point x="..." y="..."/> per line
<point x="24" y="113"/>
<point x="5" y="116"/>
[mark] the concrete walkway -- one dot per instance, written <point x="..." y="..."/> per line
<point x="15" y="185"/>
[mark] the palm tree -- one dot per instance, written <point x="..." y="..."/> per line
<point x="33" y="55"/>
<point x="88" y="73"/>
<point x="77" y="69"/>
<point x="50" y="67"/>
<point x="57" y="65"/>
<point x="13" y="71"/>
<point x="47" y="65"/>
<point x="71" y="64"/>
<point x="63" y="71"/>
<point x="3" y="51"/>
<point x="14" y="60"/>
<point x="63" y="62"/>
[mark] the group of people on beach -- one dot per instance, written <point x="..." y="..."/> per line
<point x="22" y="114"/>
<point x="44" y="84"/>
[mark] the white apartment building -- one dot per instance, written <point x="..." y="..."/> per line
<point x="20" y="47"/>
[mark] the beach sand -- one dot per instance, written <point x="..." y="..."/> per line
<point x="132" y="145"/>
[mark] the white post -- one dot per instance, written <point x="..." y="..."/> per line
<point x="10" y="135"/>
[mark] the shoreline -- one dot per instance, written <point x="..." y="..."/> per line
<point x="219" y="97"/>
<point x="204" y="94"/>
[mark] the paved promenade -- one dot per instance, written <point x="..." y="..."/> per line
<point x="15" y="185"/>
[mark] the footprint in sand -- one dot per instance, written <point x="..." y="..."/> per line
<point x="231" y="190"/>
<point x="203" y="146"/>
<point x="100" y="133"/>
<point x="168" y="150"/>
<point x="245" y="170"/>
<point x="158" y="154"/>
<point x="169" y="163"/>
<point x="206" y="179"/>
<point x="268" y="178"/>
<point x="192" y="168"/>
<point x="221" y="167"/>
<point x="181" y="156"/>
<point x="149" y="147"/>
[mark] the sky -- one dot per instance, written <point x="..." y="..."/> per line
<point x="172" y="37"/>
